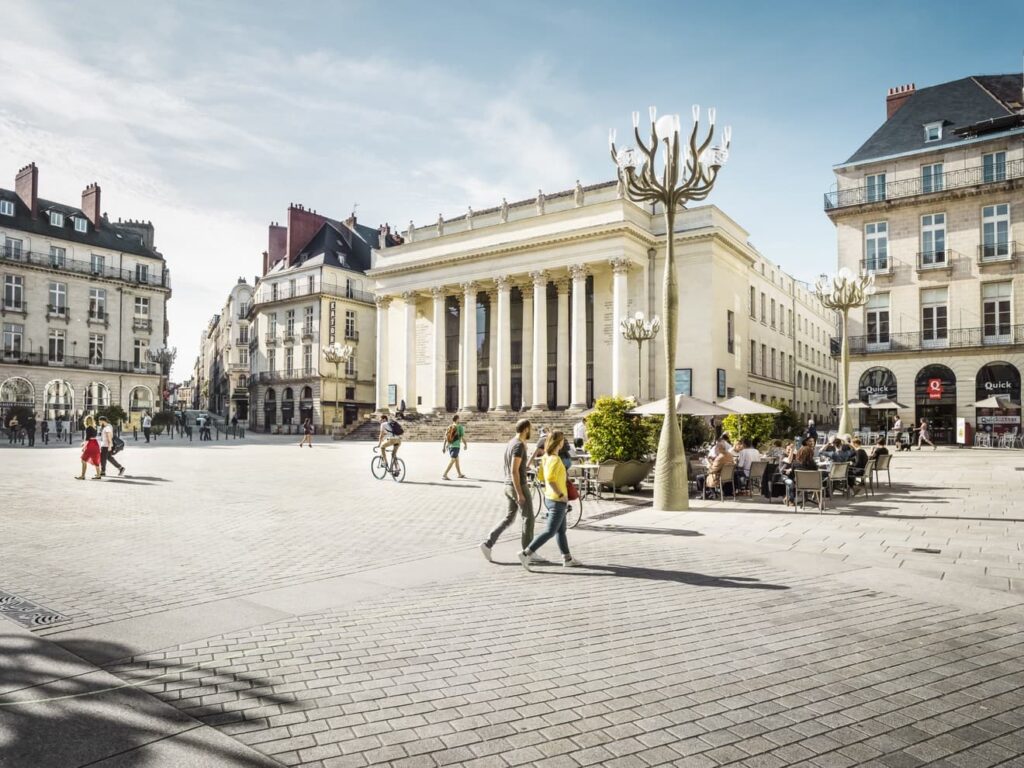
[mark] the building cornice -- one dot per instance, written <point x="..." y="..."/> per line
<point x="930" y="150"/>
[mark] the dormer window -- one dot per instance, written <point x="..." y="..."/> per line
<point x="56" y="219"/>
<point x="81" y="225"/>
<point x="933" y="131"/>
<point x="6" y="208"/>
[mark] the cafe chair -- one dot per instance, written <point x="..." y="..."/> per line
<point x="867" y="481"/>
<point x="755" y="479"/>
<point x="727" y="477"/>
<point x="882" y="465"/>
<point x="809" y="481"/>
<point x="839" y="478"/>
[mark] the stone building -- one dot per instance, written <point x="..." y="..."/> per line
<point x="84" y="303"/>
<point x="550" y="279"/>
<point x="931" y="206"/>
<point x="312" y="294"/>
<point x="224" y="357"/>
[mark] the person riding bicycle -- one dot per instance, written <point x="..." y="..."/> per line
<point x="389" y="437"/>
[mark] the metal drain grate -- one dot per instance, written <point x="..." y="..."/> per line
<point x="27" y="613"/>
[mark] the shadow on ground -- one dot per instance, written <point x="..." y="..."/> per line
<point x="680" y="577"/>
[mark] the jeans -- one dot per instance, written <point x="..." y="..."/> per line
<point x="525" y="511"/>
<point x="790" y="487"/>
<point x="555" y="527"/>
<point x="145" y="431"/>
<point x="105" y="456"/>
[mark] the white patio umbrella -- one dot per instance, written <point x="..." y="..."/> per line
<point x="885" y="404"/>
<point x="685" y="406"/>
<point x="746" y="406"/>
<point x="857" y="405"/>
<point x="1001" y="402"/>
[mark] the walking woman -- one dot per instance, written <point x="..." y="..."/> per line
<point x="923" y="436"/>
<point x="307" y="433"/>
<point x="90" y="450"/>
<point x="556" y="498"/>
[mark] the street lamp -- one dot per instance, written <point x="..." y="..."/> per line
<point x="337" y="353"/>
<point x="640" y="329"/>
<point x="163" y="357"/>
<point x="689" y="172"/>
<point x="844" y="292"/>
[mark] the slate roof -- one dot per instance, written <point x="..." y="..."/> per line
<point x="341" y="246"/>
<point x="106" y="235"/>
<point x="957" y="104"/>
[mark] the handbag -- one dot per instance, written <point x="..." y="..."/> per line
<point x="571" y="491"/>
<point x="118" y="445"/>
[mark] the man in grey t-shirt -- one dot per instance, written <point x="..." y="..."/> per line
<point x="517" y="489"/>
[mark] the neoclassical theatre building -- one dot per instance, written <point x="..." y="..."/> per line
<point x="549" y="280"/>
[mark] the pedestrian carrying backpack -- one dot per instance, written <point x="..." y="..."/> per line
<point x="452" y="433"/>
<point x="396" y="428"/>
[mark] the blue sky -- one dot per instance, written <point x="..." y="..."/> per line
<point x="210" y="118"/>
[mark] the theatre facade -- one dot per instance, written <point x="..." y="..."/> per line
<point x="519" y="307"/>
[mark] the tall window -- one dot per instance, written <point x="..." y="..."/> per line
<point x="307" y="357"/>
<point x="243" y="334"/>
<point x="876" y="247"/>
<point x="348" y="288"/>
<point x="934" y="317"/>
<point x="57" y="257"/>
<point x="753" y="302"/>
<point x="273" y="292"/>
<point x="56" y="219"/>
<point x="97" y="263"/>
<point x="994" y="166"/>
<point x="13" y="335"/>
<point x="773" y="313"/>
<point x="763" y="305"/>
<point x="57" y="340"/>
<point x="6" y="208"/>
<point x="933" y="240"/>
<point x="773" y="363"/>
<point x="243" y="355"/>
<point x="875" y="187"/>
<point x="350" y="365"/>
<point x="307" y="324"/>
<point x="141" y="306"/>
<point x="753" y="356"/>
<point x="291" y="287"/>
<point x="271" y="360"/>
<point x="289" y="359"/>
<point x="995" y="312"/>
<point x="931" y="177"/>
<point x="289" y="322"/>
<point x="139" y="352"/>
<point x="350" y="324"/>
<point x="12" y="248"/>
<point x="789" y="321"/>
<point x="730" y="329"/>
<point x="97" y="303"/>
<point x="81" y="225"/>
<point x="311" y="284"/>
<point x="876" y="320"/>
<point x="95" y="349"/>
<point x="142" y="273"/>
<point x="995" y="231"/>
<point x="58" y="299"/>
<point x="14" y="292"/>
<point x="272" y="326"/>
<point x="764" y="360"/>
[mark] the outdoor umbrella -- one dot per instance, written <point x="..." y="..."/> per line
<point x="885" y="404"/>
<point x="747" y="407"/>
<point x="1001" y="402"/>
<point x="857" y="405"/>
<point x="685" y="406"/>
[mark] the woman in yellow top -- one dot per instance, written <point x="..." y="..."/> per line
<point x="557" y="500"/>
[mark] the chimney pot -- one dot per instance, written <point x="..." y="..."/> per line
<point x="91" y="203"/>
<point x="26" y="186"/>
<point x="897" y="97"/>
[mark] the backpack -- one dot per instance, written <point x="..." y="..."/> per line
<point x="452" y="434"/>
<point x="396" y="428"/>
<point x="118" y="446"/>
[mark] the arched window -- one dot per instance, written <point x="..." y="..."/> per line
<point x="17" y="391"/>
<point x="140" y="400"/>
<point x="59" y="401"/>
<point x="97" y="395"/>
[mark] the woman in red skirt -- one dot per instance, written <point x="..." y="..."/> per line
<point x="90" y="450"/>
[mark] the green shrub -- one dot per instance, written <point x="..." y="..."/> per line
<point x="612" y="433"/>
<point x="787" y="423"/>
<point x="696" y="432"/>
<point x="757" y="428"/>
<point x="115" y="414"/>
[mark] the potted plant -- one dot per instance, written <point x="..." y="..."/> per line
<point x="616" y="436"/>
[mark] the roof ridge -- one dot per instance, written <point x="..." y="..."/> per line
<point x="974" y="79"/>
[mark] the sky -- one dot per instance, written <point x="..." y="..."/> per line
<point x="210" y="118"/>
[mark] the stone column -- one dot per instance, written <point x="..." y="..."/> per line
<point x="578" y="367"/>
<point x="620" y="310"/>
<point x="502" y="367"/>
<point x="467" y="367"/>
<point x="526" y="345"/>
<point x="492" y="347"/>
<point x="383" y="303"/>
<point x="540" y="340"/>
<point x="409" y="385"/>
<point x="438" y="352"/>
<point x="562" y="345"/>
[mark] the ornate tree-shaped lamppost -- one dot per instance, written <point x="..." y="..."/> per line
<point x="688" y="173"/>
<point x="842" y="293"/>
<point x="164" y="358"/>
<point x="337" y="353"/>
<point x="640" y="329"/>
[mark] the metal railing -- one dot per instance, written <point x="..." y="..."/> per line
<point x="927" y="260"/>
<point x="268" y="296"/>
<point x="14" y="306"/>
<point x="160" y="279"/>
<point x="876" y="266"/>
<point x="352" y="335"/>
<point x="271" y="377"/>
<point x="997" y="253"/>
<point x="73" y="361"/>
<point x="955" y="338"/>
<point x="142" y="324"/>
<point x="917" y="185"/>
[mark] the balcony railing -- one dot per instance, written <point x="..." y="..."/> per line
<point x="271" y="339"/>
<point x="243" y="311"/>
<point x="877" y="267"/>
<point x="997" y="253"/>
<point x="956" y="338"/>
<point x="58" y="312"/>
<point x="156" y="279"/>
<point x="142" y="324"/>
<point x="242" y="341"/>
<point x="894" y="190"/>
<point x="928" y="260"/>
<point x="98" y="316"/>
<point x="71" y="361"/>
<point x="18" y="307"/>
<point x="352" y="335"/>
<point x="267" y="296"/>
<point x="272" y="377"/>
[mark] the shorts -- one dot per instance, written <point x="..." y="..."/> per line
<point x="453" y="451"/>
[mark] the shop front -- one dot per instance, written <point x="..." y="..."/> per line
<point x="876" y="384"/>
<point x="1002" y="380"/>
<point x="935" y="400"/>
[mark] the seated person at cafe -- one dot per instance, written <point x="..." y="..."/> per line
<point x="746" y="456"/>
<point x="830" y="450"/>
<point x="804" y="459"/>
<point x="859" y="459"/>
<point x="721" y="445"/>
<point x="845" y="452"/>
<point x="723" y="459"/>
<point x="776" y="451"/>
<point x="879" y="448"/>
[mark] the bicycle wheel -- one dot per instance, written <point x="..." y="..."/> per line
<point x="378" y="467"/>
<point x="575" y="513"/>
<point x="398" y="474"/>
<point x="538" y="494"/>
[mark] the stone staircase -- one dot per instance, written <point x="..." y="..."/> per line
<point x="480" y="427"/>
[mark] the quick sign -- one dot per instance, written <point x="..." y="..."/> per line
<point x="934" y="389"/>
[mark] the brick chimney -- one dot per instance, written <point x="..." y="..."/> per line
<point x="91" y="203"/>
<point x="302" y="226"/>
<point x="896" y="98"/>
<point x="26" y="186"/>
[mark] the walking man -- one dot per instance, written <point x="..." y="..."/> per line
<point x="579" y="434"/>
<point x="147" y="425"/>
<point x="517" y="489"/>
<point x="454" y="442"/>
<point x="107" y="447"/>
<point x="44" y="431"/>
<point x="30" y="426"/>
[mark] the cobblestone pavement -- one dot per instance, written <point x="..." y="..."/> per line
<point x="282" y="607"/>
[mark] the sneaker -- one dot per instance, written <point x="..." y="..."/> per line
<point x="524" y="560"/>
<point x="486" y="550"/>
<point x="120" y="472"/>
<point x="571" y="562"/>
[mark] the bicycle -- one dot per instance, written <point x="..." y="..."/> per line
<point x="574" y="509"/>
<point x="379" y="467"/>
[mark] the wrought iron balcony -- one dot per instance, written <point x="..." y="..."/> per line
<point x="58" y="312"/>
<point x="266" y="294"/>
<point x="98" y="316"/>
<point x="931" y="185"/>
<point x="275" y="377"/>
<point x="243" y="311"/>
<point x="877" y="267"/>
<point x="937" y="260"/>
<point x="14" y="307"/>
<point x="156" y="279"/>
<point x="271" y="339"/>
<point x="73" y="361"/>
<point x="997" y="253"/>
<point x="955" y="338"/>
<point x="352" y="335"/>
<point x="142" y="324"/>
